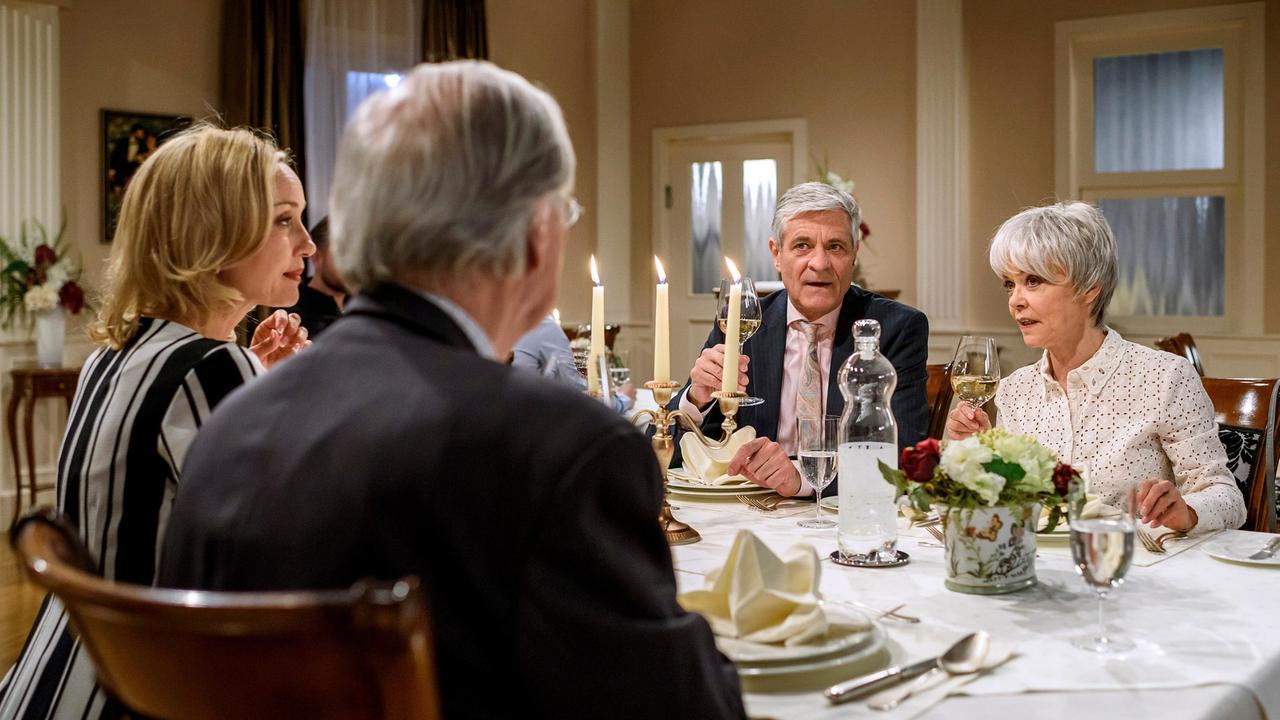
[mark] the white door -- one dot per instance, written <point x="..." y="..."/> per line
<point x="717" y="200"/>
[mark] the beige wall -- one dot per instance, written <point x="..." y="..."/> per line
<point x="848" y="68"/>
<point x="1010" y="46"/>
<point x="550" y="43"/>
<point x="158" y="57"/>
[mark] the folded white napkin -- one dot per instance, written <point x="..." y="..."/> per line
<point x="760" y="597"/>
<point x="709" y="465"/>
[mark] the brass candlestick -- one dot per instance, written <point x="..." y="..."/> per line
<point x="676" y="532"/>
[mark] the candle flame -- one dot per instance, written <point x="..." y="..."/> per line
<point x="662" y="274"/>
<point x="555" y="315"/>
<point x="595" y="271"/>
<point x="733" y="270"/>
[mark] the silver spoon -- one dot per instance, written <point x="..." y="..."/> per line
<point x="963" y="658"/>
<point x="865" y="685"/>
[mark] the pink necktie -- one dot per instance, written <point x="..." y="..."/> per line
<point x="809" y="393"/>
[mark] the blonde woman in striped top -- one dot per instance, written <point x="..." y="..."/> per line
<point x="210" y="226"/>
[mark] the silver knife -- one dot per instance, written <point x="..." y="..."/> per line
<point x="868" y="684"/>
<point x="1267" y="551"/>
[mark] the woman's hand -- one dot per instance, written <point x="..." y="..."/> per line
<point x="278" y="337"/>
<point x="1161" y="503"/>
<point x="965" y="421"/>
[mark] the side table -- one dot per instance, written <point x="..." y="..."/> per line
<point x="31" y="384"/>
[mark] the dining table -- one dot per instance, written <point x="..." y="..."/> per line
<point x="1206" y="631"/>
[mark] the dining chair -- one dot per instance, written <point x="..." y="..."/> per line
<point x="1246" y="411"/>
<point x="365" y="652"/>
<point x="1183" y="344"/>
<point x="938" y="392"/>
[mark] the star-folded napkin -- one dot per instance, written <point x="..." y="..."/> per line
<point x="760" y="597"/>
<point x="709" y="465"/>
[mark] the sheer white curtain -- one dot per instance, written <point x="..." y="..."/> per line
<point x="708" y="189"/>
<point x="1172" y="253"/>
<point x="354" y="48"/>
<point x="759" y="198"/>
<point x="1161" y="111"/>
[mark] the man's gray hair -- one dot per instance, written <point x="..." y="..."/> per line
<point x="815" y="197"/>
<point x="445" y="172"/>
<point x="1067" y="241"/>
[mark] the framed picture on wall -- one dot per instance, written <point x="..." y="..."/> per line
<point x="128" y="138"/>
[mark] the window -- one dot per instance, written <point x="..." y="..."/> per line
<point x="1155" y="116"/>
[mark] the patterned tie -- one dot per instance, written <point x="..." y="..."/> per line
<point x="809" y="393"/>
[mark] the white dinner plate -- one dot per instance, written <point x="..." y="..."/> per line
<point x="702" y="491"/>
<point x="841" y="639"/>
<point x="831" y="503"/>
<point x="1237" y="549"/>
<point x="872" y="643"/>
<point x="680" y="481"/>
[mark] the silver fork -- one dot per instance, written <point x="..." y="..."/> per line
<point x="1150" y="544"/>
<point x="936" y="532"/>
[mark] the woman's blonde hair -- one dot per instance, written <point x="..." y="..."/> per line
<point x="201" y="203"/>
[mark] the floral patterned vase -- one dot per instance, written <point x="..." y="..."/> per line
<point x="51" y="336"/>
<point x="990" y="550"/>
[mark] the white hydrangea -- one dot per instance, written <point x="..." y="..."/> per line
<point x="1036" y="460"/>
<point x="962" y="461"/>
<point x="41" y="298"/>
<point x="57" y="275"/>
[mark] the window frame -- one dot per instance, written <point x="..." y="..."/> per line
<point x="1238" y="30"/>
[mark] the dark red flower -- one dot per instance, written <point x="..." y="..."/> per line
<point x="45" y="255"/>
<point x="1063" y="474"/>
<point x="71" y="297"/>
<point x="918" y="462"/>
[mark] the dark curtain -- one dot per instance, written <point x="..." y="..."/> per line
<point x="263" y="60"/>
<point x="453" y="30"/>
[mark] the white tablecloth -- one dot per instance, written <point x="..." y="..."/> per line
<point x="1208" y="632"/>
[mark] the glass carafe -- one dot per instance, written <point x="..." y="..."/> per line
<point x="868" y="530"/>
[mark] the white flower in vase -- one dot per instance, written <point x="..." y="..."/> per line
<point x="41" y="298"/>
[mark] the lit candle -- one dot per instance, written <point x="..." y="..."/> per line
<point x="661" y="333"/>
<point x="732" y="331"/>
<point x="597" y="330"/>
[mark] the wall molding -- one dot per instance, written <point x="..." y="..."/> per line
<point x="942" y="164"/>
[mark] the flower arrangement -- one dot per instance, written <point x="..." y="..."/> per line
<point x="990" y="468"/>
<point x="825" y="175"/>
<point x="38" y="275"/>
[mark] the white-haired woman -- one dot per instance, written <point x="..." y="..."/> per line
<point x="1131" y="414"/>
<point x="210" y="226"/>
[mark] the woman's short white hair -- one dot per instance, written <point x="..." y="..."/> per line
<point x="445" y="172"/>
<point x="1067" y="241"/>
<point x="815" y="197"/>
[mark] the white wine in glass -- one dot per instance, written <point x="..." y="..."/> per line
<point x="975" y="370"/>
<point x="748" y="321"/>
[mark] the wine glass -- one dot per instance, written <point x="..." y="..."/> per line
<point x="816" y="447"/>
<point x="748" y="323"/>
<point x="1102" y="548"/>
<point x="975" y="370"/>
<point x="619" y="367"/>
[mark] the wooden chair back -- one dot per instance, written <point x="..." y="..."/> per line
<point x="359" y="653"/>
<point x="1251" y="403"/>
<point x="1182" y="344"/>
<point x="938" y="393"/>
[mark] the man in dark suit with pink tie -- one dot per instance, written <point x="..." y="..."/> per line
<point x="805" y="335"/>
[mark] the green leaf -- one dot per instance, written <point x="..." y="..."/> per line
<point x="1012" y="472"/>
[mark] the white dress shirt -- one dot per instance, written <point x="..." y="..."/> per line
<point x="1130" y="413"/>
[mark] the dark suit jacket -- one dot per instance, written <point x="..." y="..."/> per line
<point x="904" y="340"/>
<point x="390" y="448"/>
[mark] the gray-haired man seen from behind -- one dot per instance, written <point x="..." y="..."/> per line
<point x="401" y="447"/>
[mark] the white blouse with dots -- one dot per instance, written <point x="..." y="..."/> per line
<point x="1131" y="413"/>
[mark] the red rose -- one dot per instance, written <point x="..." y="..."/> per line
<point x="45" y="255"/>
<point x="71" y="297"/>
<point x="918" y="462"/>
<point x="1063" y="474"/>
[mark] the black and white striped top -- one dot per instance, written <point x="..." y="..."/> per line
<point x="135" y="413"/>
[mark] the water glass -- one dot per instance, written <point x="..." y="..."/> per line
<point x="1102" y="549"/>
<point x="817" y="448"/>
